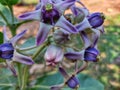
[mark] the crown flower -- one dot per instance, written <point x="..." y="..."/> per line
<point x="50" y="14"/>
<point x="67" y="37"/>
<point x="9" y="53"/>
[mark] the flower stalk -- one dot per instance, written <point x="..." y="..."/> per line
<point x="26" y="68"/>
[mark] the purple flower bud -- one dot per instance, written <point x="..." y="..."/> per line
<point x="61" y="36"/>
<point x="96" y="19"/>
<point x="6" y="51"/>
<point x="73" y="82"/>
<point x="91" y="54"/>
<point x="53" y="55"/>
<point x="50" y="15"/>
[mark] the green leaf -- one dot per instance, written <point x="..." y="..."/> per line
<point x="1" y="37"/>
<point x="2" y="22"/>
<point x="9" y="2"/>
<point x="50" y="79"/>
<point x="28" y="43"/>
<point x="86" y="82"/>
<point x="6" y="16"/>
<point x="7" y="80"/>
<point x="44" y="82"/>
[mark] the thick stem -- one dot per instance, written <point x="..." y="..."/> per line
<point x="24" y="78"/>
<point x="19" y="75"/>
<point x="13" y="30"/>
<point x="12" y="26"/>
<point x="11" y="9"/>
<point x="25" y="74"/>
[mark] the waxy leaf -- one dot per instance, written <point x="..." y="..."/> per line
<point x="86" y="82"/>
<point x="7" y="80"/>
<point x="6" y="16"/>
<point x="28" y="43"/>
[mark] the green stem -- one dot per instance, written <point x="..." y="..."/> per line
<point x="84" y="66"/>
<point x="25" y="78"/>
<point x="19" y="75"/>
<point x="26" y="49"/>
<point x="13" y="30"/>
<point x="6" y="85"/>
<point x="13" y="25"/>
<point x="39" y="50"/>
<point x="25" y="74"/>
<point x="41" y="86"/>
<point x="11" y="9"/>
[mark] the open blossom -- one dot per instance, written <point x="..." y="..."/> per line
<point x="50" y="14"/>
<point x="9" y="53"/>
<point x="53" y="55"/>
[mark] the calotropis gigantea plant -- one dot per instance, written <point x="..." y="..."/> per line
<point x="56" y="40"/>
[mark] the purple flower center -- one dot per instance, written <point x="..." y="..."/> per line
<point x="50" y="15"/>
<point x="6" y="51"/>
<point x="91" y="54"/>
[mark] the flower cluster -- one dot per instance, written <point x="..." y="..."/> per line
<point x="59" y="28"/>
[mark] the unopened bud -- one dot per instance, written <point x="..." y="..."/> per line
<point x="53" y="55"/>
